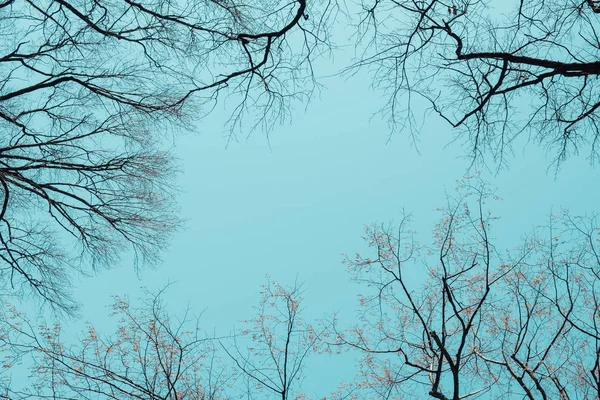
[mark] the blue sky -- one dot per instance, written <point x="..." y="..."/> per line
<point x="291" y="205"/>
<point x="288" y="205"/>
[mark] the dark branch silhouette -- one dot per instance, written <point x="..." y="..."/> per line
<point x="150" y="356"/>
<point x="494" y="71"/>
<point x="88" y="91"/>
<point x="153" y="355"/>
<point x="482" y="323"/>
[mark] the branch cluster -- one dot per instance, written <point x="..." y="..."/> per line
<point x="88" y="91"/>
<point x="493" y="70"/>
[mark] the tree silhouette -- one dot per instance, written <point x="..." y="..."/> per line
<point x="88" y="90"/>
<point x="153" y="355"/>
<point x="483" y="323"/>
<point x="477" y="322"/>
<point x="493" y="70"/>
<point x="278" y="341"/>
<point x="150" y="356"/>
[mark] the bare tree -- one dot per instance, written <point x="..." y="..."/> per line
<point x="483" y="323"/>
<point x="272" y="352"/>
<point x="87" y="90"/>
<point x="153" y="355"/>
<point x="494" y="70"/>
<point x="150" y="356"/>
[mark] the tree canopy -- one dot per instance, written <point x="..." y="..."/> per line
<point x="89" y="88"/>
<point x="91" y="91"/>
<point x="493" y="70"/>
<point x="485" y="322"/>
<point x="88" y="91"/>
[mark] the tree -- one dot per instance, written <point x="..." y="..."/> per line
<point x="87" y="90"/>
<point x="153" y="355"/>
<point x="150" y="356"/>
<point x="493" y="70"/>
<point x="484" y="323"/>
<point x="278" y="342"/>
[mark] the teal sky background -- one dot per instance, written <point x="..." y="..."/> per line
<point x="290" y="206"/>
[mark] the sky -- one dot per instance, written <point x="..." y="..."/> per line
<point x="290" y="205"/>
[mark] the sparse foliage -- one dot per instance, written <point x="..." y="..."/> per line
<point x="484" y="323"/>
<point x="153" y="355"/>
<point x="278" y="342"/>
<point x="456" y="319"/>
<point x="150" y="356"/>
